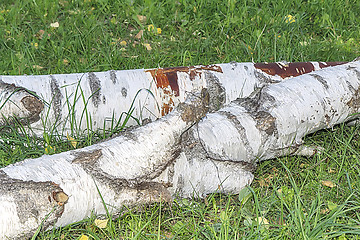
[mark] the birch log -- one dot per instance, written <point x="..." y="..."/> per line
<point x="75" y="102"/>
<point x="64" y="186"/>
<point x="175" y="156"/>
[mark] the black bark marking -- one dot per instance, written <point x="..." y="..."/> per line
<point x="104" y="100"/>
<point x="194" y="149"/>
<point x="113" y="76"/>
<point x="265" y="122"/>
<point x="87" y="157"/>
<point x="234" y="65"/>
<point x="124" y="92"/>
<point x="264" y="78"/>
<point x="161" y="167"/>
<point x="147" y="191"/>
<point x="241" y="130"/>
<point x="57" y="97"/>
<point x="357" y="72"/>
<point x="258" y="107"/>
<point x="350" y="86"/>
<point x="95" y="87"/>
<point x="327" y="119"/>
<point x="260" y="101"/>
<point x="354" y="102"/>
<point x="180" y="186"/>
<point x="321" y="80"/>
<point x="217" y="93"/>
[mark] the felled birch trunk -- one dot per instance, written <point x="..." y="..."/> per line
<point x="73" y="103"/>
<point x="176" y="156"/>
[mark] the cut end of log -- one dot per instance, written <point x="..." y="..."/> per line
<point x="19" y="105"/>
<point x="33" y="105"/>
<point x="60" y="197"/>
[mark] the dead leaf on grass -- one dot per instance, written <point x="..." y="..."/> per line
<point x="40" y="34"/>
<point x="73" y="142"/>
<point x="263" y="221"/>
<point x="54" y="24"/>
<point x="139" y="34"/>
<point x="37" y="67"/>
<point x="328" y="183"/>
<point x="324" y="211"/>
<point x="142" y="18"/>
<point x="101" y="223"/>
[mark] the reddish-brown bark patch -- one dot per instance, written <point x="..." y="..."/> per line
<point x="285" y="70"/>
<point x="168" y="77"/>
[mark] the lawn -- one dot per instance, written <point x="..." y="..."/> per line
<point x="291" y="197"/>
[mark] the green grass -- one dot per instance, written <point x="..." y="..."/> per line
<point x="287" y="193"/>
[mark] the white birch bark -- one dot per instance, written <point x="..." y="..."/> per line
<point x="172" y="157"/>
<point x="76" y="102"/>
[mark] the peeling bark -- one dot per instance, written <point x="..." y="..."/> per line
<point x="178" y="155"/>
<point x="106" y="96"/>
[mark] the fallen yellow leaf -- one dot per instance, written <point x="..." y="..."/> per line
<point x="263" y="221"/>
<point x="49" y="149"/>
<point x="328" y="183"/>
<point x="290" y="19"/>
<point x="54" y="25"/>
<point x="101" y="223"/>
<point x="35" y="45"/>
<point x="72" y="140"/>
<point x="123" y="43"/>
<point x="150" y="27"/>
<point x="84" y="237"/>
